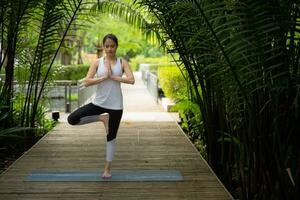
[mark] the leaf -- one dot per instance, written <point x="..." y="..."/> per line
<point x="10" y="132"/>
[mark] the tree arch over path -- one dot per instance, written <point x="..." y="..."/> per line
<point x="240" y="58"/>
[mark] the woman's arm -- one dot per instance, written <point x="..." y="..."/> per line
<point x="89" y="79"/>
<point x="129" y="78"/>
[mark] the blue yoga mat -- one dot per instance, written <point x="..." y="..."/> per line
<point x="118" y="175"/>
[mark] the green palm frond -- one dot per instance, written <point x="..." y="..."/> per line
<point x="131" y="13"/>
<point x="243" y="57"/>
<point x="51" y="20"/>
<point x="13" y="132"/>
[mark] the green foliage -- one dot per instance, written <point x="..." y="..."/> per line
<point x="172" y="82"/>
<point x="242" y="61"/>
<point x="192" y="124"/>
<point x="175" y="87"/>
<point x="14" y="138"/>
<point x="74" y="97"/>
<point x="131" y="44"/>
<point x="153" y="61"/>
<point x="12" y="133"/>
<point x="32" y="33"/>
<point x="42" y="123"/>
<point x="70" y="72"/>
<point x="131" y="13"/>
<point x="48" y="24"/>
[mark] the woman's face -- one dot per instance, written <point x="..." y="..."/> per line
<point x="110" y="47"/>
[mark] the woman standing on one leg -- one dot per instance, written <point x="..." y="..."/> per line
<point x="108" y="103"/>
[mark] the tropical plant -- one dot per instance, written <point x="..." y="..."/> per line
<point x="11" y="138"/>
<point x="242" y="60"/>
<point x="11" y="132"/>
<point x="133" y="14"/>
<point x="49" y="21"/>
<point x="192" y="124"/>
<point x="70" y="72"/>
<point x="31" y="35"/>
<point x="172" y="82"/>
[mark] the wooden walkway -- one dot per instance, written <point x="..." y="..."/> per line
<point x="144" y="143"/>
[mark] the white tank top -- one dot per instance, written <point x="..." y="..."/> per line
<point x="109" y="94"/>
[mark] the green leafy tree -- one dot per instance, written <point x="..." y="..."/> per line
<point x="131" y="40"/>
<point x="242" y="60"/>
<point x="49" y="21"/>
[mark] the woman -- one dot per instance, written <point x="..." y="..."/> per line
<point x="107" y="106"/>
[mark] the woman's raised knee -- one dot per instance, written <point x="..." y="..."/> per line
<point x="72" y="120"/>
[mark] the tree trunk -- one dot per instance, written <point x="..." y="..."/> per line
<point x="66" y="58"/>
<point x="9" y="68"/>
<point x="79" y="49"/>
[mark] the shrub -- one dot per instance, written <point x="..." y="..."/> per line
<point x="153" y="61"/>
<point x="192" y="124"/>
<point x="70" y="72"/>
<point x="172" y="82"/>
<point x="175" y="87"/>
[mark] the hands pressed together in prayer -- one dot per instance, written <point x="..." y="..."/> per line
<point x="91" y="80"/>
<point x="108" y="75"/>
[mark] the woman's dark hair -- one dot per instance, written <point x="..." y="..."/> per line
<point x="112" y="37"/>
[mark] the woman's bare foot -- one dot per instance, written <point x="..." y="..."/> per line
<point x="106" y="175"/>
<point x="107" y="171"/>
<point x="105" y="118"/>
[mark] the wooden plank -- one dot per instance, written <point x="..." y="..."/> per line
<point x="140" y="145"/>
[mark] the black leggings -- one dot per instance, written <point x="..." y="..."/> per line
<point x="90" y="113"/>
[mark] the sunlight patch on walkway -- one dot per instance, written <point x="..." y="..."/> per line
<point x="149" y="116"/>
